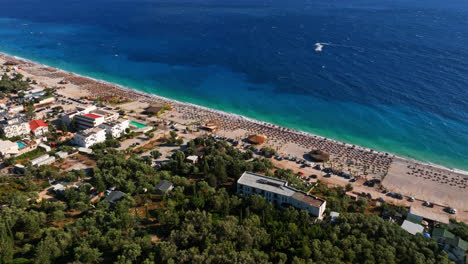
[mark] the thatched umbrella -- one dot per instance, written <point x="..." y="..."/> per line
<point x="256" y="139"/>
<point x="11" y="63"/>
<point x="319" y="155"/>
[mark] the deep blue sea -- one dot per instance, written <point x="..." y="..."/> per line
<point x="392" y="74"/>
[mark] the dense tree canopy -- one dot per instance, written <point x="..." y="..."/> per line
<point x="202" y="220"/>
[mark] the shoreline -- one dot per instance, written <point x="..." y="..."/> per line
<point x="223" y="114"/>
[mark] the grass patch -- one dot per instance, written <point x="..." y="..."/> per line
<point x="29" y="155"/>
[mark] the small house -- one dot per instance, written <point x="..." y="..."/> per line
<point x="62" y="154"/>
<point x="114" y="197"/>
<point x="412" y="228"/>
<point x="192" y="159"/>
<point x="164" y="187"/>
<point x="38" y="127"/>
<point x="19" y="169"/>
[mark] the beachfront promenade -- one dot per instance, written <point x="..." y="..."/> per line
<point x="424" y="181"/>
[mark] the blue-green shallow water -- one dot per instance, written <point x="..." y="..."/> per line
<point x="393" y="76"/>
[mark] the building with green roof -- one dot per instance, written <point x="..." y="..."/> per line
<point x="453" y="245"/>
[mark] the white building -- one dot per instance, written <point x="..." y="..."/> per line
<point x="88" y="117"/>
<point x="62" y="154"/>
<point x="38" y="127"/>
<point x="68" y="117"/>
<point x="115" y="128"/>
<point x="192" y="159"/>
<point x="412" y="228"/>
<point x="89" y="137"/>
<point x="85" y="121"/>
<point x="43" y="160"/>
<point x="8" y="148"/>
<point x="15" y="109"/>
<point x="279" y="193"/>
<point x="108" y="115"/>
<point x="15" y="127"/>
<point x="44" y="147"/>
<point x="44" y="101"/>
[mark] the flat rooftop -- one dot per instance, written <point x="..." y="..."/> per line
<point x="115" y="122"/>
<point x="266" y="183"/>
<point x="308" y="199"/>
<point x="428" y="213"/>
<point x="92" y="116"/>
<point x="89" y="131"/>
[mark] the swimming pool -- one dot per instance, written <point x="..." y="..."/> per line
<point x="137" y="124"/>
<point x="21" y="144"/>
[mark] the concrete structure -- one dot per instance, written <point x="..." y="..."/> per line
<point x="14" y="127"/>
<point x="85" y="150"/>
<point x="38" y="127"/>
<point x="412" y="228"/>
<point x="116" y="128"/>
<point x="90" y="109"/>
<point x="15" y="109"/>
<point x="334" y="215"/>
<point x="68" y="117"/>
<point x="192" y="159"/>
<point x="85" y="121"/>
<point x="44" y="147"/>
<point x="44" y="101"/>
<point x="89" y="137"/>
<point x="279" y="193"/>
<point x="62" y="154"/>
<point x="108" y="115"/>
<point x="8" y="148"/>
<point x="42" y="160"/>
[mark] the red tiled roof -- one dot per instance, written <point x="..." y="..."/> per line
<point x="92" y="116"/>
<point x="35" y="124"/>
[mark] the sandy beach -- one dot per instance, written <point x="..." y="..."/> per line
<point x="439" y="185"/>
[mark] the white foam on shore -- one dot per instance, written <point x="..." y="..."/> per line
<point x="238" y="116"/>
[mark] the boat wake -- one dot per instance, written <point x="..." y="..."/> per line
<point x="319" y="46"/>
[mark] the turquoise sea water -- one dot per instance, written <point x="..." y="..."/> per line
<point x="391" y="75"/>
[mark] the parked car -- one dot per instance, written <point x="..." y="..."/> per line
<point x="427" y="203"/>
<point x="450" y="210"/>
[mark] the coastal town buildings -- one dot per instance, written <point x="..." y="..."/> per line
<point x="279" y="193"/>
<point x="89" y="137"/>
<point x="89" y="117"/>
<point x="15" y="109"/>
<point x="14" y="127"/>
<point x="38" y="127"/>
<point x="115" y="128"/>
